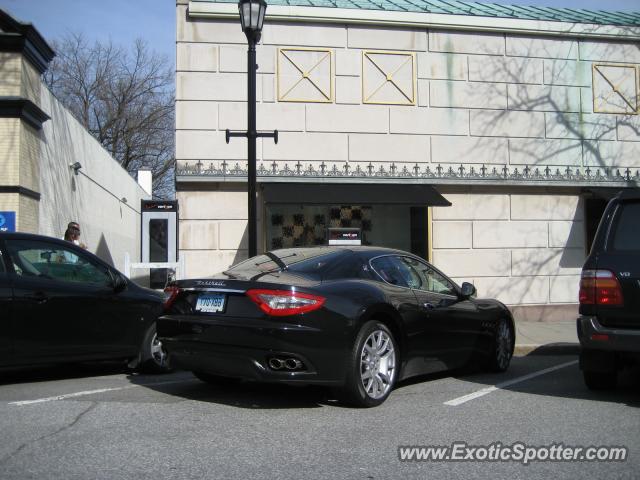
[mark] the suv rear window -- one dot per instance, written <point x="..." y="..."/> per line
<point x="626" y="235"/>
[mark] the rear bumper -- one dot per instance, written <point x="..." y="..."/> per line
<point x="619" y="339"/>
<point x="241" y="348"/>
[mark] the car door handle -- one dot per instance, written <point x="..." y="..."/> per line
<point x="428" y="306"/>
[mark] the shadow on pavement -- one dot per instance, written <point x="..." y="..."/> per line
<point x="49" y="373"/>
<point x="559" y="348"/>
<point x="237" y="393"/>
<point x="564" y="383"/>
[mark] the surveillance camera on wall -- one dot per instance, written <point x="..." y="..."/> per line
<point x="75" y="166"/>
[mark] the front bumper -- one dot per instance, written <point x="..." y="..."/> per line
<point x="242" y="347"/>
<point x="619" y="339"/>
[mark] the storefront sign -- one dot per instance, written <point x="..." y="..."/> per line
<point x="7" y="221"/>
<point x="345" y="236"/>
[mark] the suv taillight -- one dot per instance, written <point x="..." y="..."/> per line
<point x="600" y="287"/>
<point x="280" y="303"/>
<point x="170" y="295"/>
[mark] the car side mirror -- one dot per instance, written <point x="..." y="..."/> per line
<point x="467" y="290"/>
<point x="119" y="282"/>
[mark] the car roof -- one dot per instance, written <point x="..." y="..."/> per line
<point x="29" y="236"/>
<point x="629" y="194"/>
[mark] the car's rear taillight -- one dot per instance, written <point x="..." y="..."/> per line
<point x="280" y="303"/>
<point x="170" y="293"/>
<point x="600" y="287"/>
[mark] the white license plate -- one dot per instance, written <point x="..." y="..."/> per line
<point x="210" y="303"/>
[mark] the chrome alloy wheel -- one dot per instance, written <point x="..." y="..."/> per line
<point x="157" y="352"/>
<point x="377" y="364"/>
<point x="503" y="345"/>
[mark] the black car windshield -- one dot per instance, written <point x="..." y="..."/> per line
<point x="303" y="260"/>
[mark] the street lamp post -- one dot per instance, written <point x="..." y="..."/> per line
<point x="251" y="19"/>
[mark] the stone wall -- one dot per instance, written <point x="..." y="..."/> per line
<point x="95" y="197"/>
<point x="458" y="99"/>
<point x="476" y="98"/>
<point x="213" y="228"/>
<point x="522" y="248"/>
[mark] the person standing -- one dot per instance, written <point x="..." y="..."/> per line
<point x="72" y="234"/>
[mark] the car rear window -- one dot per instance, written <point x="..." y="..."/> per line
<point x="626" y="235"/>
<point x="303" y="260"/>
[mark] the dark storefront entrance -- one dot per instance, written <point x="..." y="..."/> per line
<point x="387" y="215"/>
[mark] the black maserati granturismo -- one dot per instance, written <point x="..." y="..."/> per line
<point x="355" y="318"/>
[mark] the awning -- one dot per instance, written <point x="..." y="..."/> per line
<point x="603" y="192"/>
<point x="353" y="194"/>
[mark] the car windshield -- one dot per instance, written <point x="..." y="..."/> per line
<point x="304" y="260"/>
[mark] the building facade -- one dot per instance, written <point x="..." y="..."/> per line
<point x="39" y="141"/>
<point x="524" y="120"/>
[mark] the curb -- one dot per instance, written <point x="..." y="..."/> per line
<point x="523" y="350"/>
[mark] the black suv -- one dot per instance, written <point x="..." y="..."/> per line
<point x="609" y="322"/>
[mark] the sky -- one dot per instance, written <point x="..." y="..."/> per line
<point x="122" y="21"/>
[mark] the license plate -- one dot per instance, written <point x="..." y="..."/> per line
<point x="210" y="303"/>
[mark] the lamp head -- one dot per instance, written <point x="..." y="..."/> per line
<point x="252" y="17"/>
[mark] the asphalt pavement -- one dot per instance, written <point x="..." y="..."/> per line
<point x="101" y="422"/>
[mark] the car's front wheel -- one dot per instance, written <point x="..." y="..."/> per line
<point x="502" y="346"/>
<point x="153" y="357"/>
<point x="373" y="366"/>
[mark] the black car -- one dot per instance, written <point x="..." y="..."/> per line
<point x="609" y="322"/>
<point x="60" y="303"/>
<point x="359" y="319"/>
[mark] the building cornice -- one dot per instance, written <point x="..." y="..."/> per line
<point x="467" y="174"/>
<point x="25" y="109"/>
<point x="421" y="20"/>
<point x="24" y="38"/>
<point x="27" y="192"/>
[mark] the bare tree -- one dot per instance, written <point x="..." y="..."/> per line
<point x="124" y="97"/>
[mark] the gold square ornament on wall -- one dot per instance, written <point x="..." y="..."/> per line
<point x="615" y="89"/>
<point x="305" y="75"/>
<point x="388" y="78"/>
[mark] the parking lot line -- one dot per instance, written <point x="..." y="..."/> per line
<point x="485" y="391"/>
<point x="64" y="396"/>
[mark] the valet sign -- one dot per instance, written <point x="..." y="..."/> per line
<point x="7" y="221"/>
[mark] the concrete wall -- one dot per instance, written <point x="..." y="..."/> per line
<point x="110" y="226"/>
<point x="494" y="99"/>
<point x="10" y="150"/>
<point x="476" y="99"/>
<point x="522" y="248"/>
<point x="213" y="228"/>
<point x="19" y="142"/>
<point x="103" y="197"/>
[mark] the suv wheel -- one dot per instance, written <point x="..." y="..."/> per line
<point x="600" y="380"/>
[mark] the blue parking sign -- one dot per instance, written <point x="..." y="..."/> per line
<point x="7" y="221"/>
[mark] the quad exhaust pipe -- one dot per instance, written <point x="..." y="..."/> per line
<point x="276" y="363"/>
<point x="288" y="363"/>
<point x="292" y="364"/>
